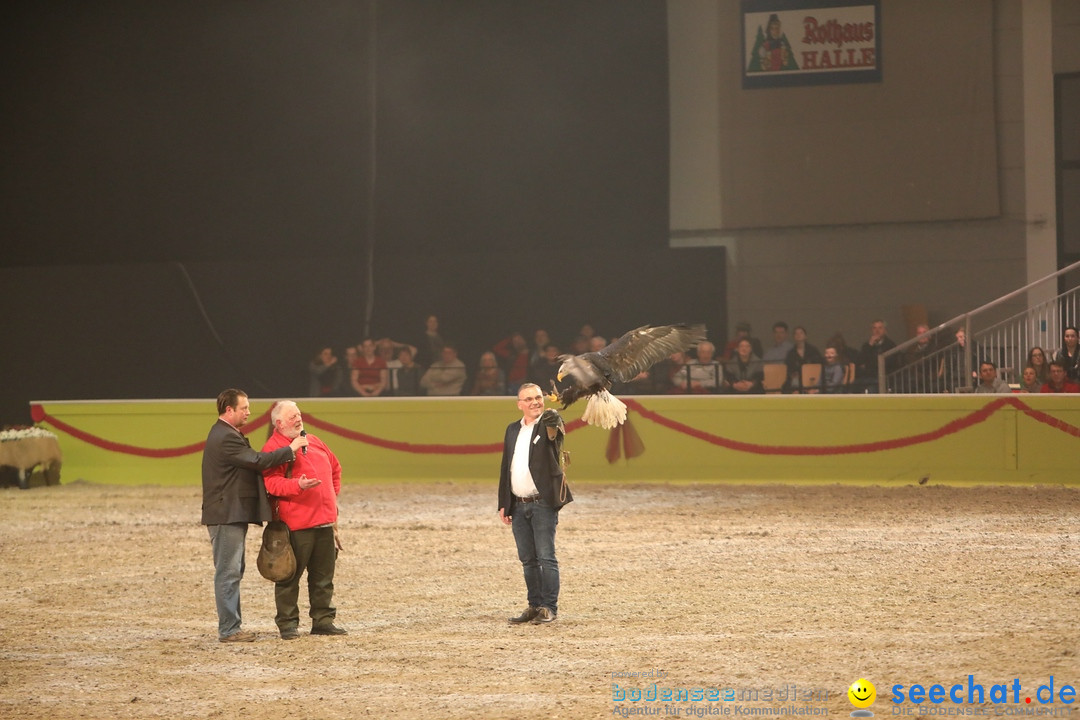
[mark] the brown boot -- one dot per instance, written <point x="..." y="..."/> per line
<point x="528" y="614"/>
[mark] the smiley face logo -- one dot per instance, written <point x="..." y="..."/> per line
<point x="862" y="693"/>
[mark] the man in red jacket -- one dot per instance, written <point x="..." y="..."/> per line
<point x="1059" y="381"/>
<point x="304" y="495"/>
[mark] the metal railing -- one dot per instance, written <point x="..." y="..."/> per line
<point x="937" y="360"/>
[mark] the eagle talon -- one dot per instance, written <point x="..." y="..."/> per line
<point x="553" y="396"/>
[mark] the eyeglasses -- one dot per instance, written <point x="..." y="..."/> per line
<point x="534" y="398"/>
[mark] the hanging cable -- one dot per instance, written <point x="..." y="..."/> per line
<point x="373" y="92"/>
<point x="213" y="331"/>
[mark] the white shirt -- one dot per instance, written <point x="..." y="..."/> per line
<point x="704" y="375"/>
<point x="521" y="479"/>
<point x="393" y="366"/>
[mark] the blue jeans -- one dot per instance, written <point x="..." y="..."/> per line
<point x="227" y="542"/>
<point x="534" y="532"/>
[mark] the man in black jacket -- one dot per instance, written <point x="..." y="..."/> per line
<point x="531" y="492"/>
<point x="867" y="364"/>
<point x="234" y="497"/>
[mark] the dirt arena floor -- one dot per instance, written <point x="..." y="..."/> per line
<point x="777" y="596"/>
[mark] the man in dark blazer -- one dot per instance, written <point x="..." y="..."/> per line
<point x="530" y="496"/>
<point x="234" y="497"/>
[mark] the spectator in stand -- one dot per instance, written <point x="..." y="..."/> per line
<point x="742" y="330"/>
<point x="408" y="374"/>
<point x="923" y="375"/>
<point x="923" y="346"/>
<point x="867" y="364"/>
<point x="845" y="354"/>
<point x="325" y="375"/>
<point x="989" y="382"/>
<point x="446" y="376"/>
<point x="669" y="376"/>
<point x="832" y="372"/>
<point x="386" y="347"/>
<point x="513" y="351"/>
<point x="1069" y="354"/>
<point x="389" y="350"/>
<point x="1030" y="381"/>
<point x="429" y="349"/>
<point x="702" y="372"/>
<point x="952" y="365"/>
<point x="1059" y="380"/>
<point x="781" y="345"/>
<point x="597" y="343"/>
<point x="579" y="345"/>
<point x="394" y="345"/>
<point x="351" y="353"/>
<point x="541" y="340"/>
<point x="1038" y="361"/>
<point x="640" y="384"/>
<point x="369" y="374"/>
<point x="545" y="372"/>
<point x="801" y="353"/>
<point x="705" y="375"/>
<point x="489" y="378"/>
<point x="587" y="331"/>
<point x="745" y="373"/>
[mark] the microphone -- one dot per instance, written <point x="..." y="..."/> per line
<point x="303" y="450"/>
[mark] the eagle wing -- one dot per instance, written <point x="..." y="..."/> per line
<point x="640" y="349"/>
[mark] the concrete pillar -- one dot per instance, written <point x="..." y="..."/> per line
<point x="1040" y="214"/>
<point x="694" y="134"/>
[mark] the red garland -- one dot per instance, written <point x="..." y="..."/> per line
<point x="39" y="412"/>
<point x="624" y="435"/>
<point x="947" y="429"/>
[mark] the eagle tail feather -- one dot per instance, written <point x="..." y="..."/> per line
<point x="604" y="410"/>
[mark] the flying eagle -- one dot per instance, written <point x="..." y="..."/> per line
<point x="594" y="372"/>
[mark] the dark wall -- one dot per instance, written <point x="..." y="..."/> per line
<point x="918" y="146"/>
<point x="182" y="173"/>
<point x="139" y="131"/>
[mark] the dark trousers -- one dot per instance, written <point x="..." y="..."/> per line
<point x="316" y="553"/>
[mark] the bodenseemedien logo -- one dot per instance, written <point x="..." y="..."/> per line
<point x="862" y="695"/>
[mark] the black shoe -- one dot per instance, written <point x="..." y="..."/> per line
<point x="529" y="613"/>
<point x="330" y="629"/>
<point x="543" y="616"/>
<point x="289" y="634"/>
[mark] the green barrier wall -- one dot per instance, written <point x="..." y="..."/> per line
<point x="1026" y="439"/>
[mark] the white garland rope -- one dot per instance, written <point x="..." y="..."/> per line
<point x="24" y="433"/>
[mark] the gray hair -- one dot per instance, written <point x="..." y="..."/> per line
<point x="279" y="407"/>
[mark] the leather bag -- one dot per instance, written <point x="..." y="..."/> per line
<point x="276" y="560"/>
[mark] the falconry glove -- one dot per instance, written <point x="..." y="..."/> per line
<point x="552" y="421"/>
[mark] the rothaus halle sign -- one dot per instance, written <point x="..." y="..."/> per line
<point x="810" y="42"/>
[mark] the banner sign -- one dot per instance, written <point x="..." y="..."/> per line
<point x="810" y="42"/>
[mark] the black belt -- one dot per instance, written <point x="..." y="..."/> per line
<point x="531" y="498"/>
